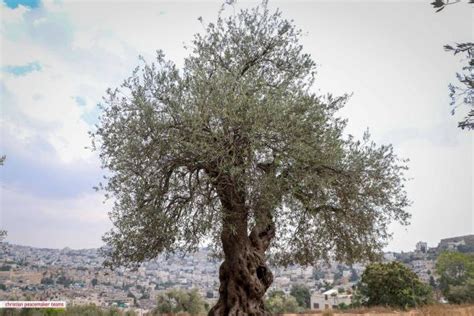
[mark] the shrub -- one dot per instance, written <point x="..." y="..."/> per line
<point x="278" y="302"/>
<point x="456" y="272"/>
<point x="392" y="284"/>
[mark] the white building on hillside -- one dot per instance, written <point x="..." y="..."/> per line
<point x="329" y="299"/>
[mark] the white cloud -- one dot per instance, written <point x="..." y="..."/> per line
<point x="48" y="97"/>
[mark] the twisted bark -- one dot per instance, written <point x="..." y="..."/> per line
<point x="244" y="275"/>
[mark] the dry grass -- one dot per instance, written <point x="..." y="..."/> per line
<point x="431" y="310"/>
<point x="441" y="310"/>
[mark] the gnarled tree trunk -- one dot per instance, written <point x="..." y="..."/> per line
<point x="244" y="276"/>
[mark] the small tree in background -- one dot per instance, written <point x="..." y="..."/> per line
<point x="302" y="295"/>
<point x="392" y="284"/>
<point x="278" y="302"/>
<point x="456" y="276"/>
<point x="235" y="146"/>
<point x="175" y="301"/>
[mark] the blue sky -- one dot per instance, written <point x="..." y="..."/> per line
<point x="13" y="4"/>
<point x="59" y="57"/>
<point x="21" y="70"/>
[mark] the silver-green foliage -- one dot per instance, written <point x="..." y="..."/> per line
<point x="242" y="106"/>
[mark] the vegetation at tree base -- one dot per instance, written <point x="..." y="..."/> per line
<point x="456" y="276"/>
<point x="279" y="302"/>
<point x="302" y="295"/>
<point x="89" y="310"/>
<point x="235" y="147"/>
<point x="392" y="284"/>
<point x="175" y="301"/>
<point x="463" y="93"/>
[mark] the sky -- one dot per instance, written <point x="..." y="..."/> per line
<point x="59" y="57"/>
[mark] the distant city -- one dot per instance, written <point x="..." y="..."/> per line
<point x="78" y="277"/>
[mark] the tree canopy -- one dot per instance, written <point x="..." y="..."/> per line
<point x="392" y="284"/>
<point x="241" y="112"/>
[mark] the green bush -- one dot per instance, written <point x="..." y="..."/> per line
<point x="456" y="276"/>
<point x="175" y="301"/>
<point x="279" y="302"/>
<point x="302" y="295"/>
<point x="392" y="284"/>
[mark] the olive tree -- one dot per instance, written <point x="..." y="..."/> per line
<point x="235" y="147"/>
